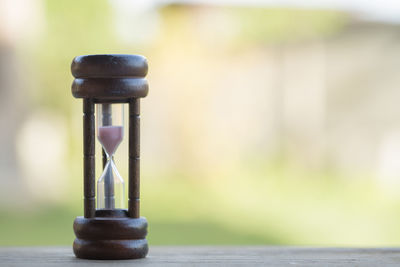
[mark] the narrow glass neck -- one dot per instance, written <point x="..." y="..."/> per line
<point x="108" y="157"/>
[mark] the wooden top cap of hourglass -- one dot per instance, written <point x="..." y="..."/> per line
<point x="109" y="77"/>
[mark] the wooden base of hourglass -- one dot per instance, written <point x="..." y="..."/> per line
<point x="111" y="235"/>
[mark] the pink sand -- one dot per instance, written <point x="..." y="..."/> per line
<point x="110" y="137"/>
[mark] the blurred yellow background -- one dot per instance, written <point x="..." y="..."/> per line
<point x="275" y="122"/>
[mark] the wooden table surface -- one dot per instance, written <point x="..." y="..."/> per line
<point x="211" y="256"/>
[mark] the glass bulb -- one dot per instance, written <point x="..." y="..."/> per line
<point x="110" y="188"/>
<point x="110" y="130"/>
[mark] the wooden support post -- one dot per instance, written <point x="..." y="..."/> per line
<point x="134" y="158"/>
<point x="88" y="158"/>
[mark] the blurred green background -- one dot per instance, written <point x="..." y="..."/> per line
<point x="263" y="125"/>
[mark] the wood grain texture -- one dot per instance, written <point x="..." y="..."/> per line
<point x="211" y="256"/>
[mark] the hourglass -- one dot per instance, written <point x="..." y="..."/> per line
<point x="110" y="131"/>
<point x="107" y="82"/>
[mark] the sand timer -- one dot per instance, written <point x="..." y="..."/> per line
<point x="110" y="132"/>
<point x="107" y="82"/>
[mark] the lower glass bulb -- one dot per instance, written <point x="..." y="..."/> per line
<point x="110" y="188"/>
